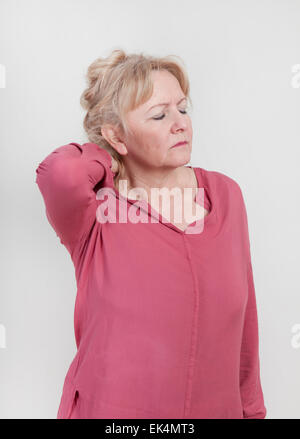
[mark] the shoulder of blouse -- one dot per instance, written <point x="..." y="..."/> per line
<point x="222" y="183"/>
<point x="228" y="189"/>
<point x="238" y="204"/>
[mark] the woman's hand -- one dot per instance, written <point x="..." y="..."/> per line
<point x="114" y="165"/>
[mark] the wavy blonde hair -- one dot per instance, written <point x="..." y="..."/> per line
<point x="119" y="83"/>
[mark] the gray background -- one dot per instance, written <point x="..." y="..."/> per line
<point x="243" y="61"/>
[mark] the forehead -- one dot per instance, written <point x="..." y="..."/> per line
<point x="166" y="88"/>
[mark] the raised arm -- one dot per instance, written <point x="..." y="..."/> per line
<point x="250" y="383"/>
<point x="66" y="179"/>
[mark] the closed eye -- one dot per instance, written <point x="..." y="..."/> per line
<point x="163" y="115"/>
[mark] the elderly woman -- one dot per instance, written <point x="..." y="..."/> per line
<point x="165" y="315"/>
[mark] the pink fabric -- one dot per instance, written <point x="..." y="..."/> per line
<point x="165" y="321"/>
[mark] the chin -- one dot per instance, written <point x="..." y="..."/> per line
<point x="182" y="159"/>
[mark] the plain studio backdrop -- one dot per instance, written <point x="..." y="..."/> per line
<point x="243" y="61"/>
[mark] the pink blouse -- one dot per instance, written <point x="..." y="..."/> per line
<point x="165" y="320"/>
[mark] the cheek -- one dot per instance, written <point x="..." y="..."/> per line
<point x="153" y="141"/>
<point x="146" y="144"/>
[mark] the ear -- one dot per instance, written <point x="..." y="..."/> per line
<point x="111" y="135"/>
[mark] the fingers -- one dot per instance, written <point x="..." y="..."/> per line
<point x="114" y="166"/>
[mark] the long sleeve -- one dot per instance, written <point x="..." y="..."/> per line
<point x="250" y="384"/>
<point x="66" y="179"/>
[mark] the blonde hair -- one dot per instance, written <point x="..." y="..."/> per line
<point x="117" y="84"/>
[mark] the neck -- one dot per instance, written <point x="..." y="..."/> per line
<point x="169" y="178"/>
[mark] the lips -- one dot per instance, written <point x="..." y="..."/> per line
<point x="179" y="144"/>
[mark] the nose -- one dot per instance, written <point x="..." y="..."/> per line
<point x="179" y="122"/>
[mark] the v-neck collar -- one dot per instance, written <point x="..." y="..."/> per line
<point x="196" y="226"/>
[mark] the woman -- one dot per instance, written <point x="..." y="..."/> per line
<point x="165" y="315"/>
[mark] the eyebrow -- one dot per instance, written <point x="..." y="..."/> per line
<point x="166" y="103"/>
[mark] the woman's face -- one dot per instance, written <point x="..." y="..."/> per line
<point x="155" y="130"/>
